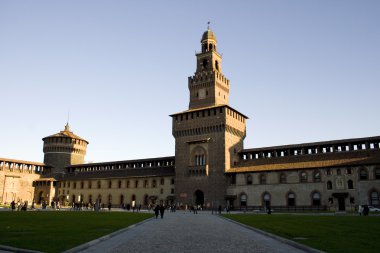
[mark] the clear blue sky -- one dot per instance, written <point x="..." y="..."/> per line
<point x="303" y="71"/>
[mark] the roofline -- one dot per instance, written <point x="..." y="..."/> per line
<point x="206" y="108"/>
<point x="22" y="161"/>
<point x="123" y="161"/>
<point x="313" y="144"/>
<point x="77" y="138"/>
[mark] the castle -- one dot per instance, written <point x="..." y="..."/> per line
<point x="210" y="166"/>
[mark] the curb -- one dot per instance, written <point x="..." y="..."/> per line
<point x="278" y="238"/>
<point x="19" y="250"/>
<point x="103" y="238"/>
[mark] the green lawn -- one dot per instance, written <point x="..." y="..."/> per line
<point x="327" y="233"/>
<point x="58" y="231"/>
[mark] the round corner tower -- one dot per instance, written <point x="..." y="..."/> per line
<point x="64" y="149"/>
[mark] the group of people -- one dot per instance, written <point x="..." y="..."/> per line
<point x="20" y="207"/>
<point x="363" y="210"/>
<point x="159" y="210"/>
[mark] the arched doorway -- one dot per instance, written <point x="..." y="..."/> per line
<point x="40" y="197"/>
<point x="199" y="198"/>
<point x="266" y="200"/>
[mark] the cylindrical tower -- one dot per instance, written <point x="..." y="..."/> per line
<point x="64" y="149"/>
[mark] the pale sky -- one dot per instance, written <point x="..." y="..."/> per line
<point x="302" y="71"/>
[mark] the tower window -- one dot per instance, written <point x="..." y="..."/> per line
<point x="204" y="63"/>
<point x="217" y="65"/>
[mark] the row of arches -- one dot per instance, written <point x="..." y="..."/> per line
<point x="120" y="200"/>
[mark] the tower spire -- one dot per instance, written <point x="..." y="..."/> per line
<point x="67" y="126"/>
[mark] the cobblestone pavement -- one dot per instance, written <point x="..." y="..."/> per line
<point x="187" y="232"/>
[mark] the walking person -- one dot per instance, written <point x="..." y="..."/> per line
<point x="13" y="205"/>
<point x="157" y="210"/>
<point x="162" y="210"/>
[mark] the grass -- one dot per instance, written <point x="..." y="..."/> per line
<point x="328" y="233"/>
<point x="59" y="231"/>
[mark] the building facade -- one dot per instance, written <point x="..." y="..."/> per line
<point x="210" y="166"/>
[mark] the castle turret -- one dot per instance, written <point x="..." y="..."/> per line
<point x="63" y="149"/>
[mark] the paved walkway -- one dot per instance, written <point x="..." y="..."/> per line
<point x="187" y="232"/>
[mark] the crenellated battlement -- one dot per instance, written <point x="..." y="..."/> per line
<point x="200" y="78"/>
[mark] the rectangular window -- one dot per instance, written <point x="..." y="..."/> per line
<point x="233" y="179"/>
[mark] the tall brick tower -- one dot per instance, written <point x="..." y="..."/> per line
<point x="209" y="134"/>
<point x="64" y="149"/>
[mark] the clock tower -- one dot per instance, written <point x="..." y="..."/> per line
<point x="209" y="135"/>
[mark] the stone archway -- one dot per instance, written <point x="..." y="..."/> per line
<point x="199" y="198"/>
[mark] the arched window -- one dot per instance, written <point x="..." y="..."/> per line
<point x="243" y="200"/>
<point x="363" y="174"/>
<point x="291" y="199"/>
<point x="217" y="65"/>
<point x="303" y="177"/>
<point x="317" y="176"/>
<point x="374" y="198"/>
<point x="199" y="155"/>
<point x="329" y="185"/>
<point x="266" y="199"/>
<point x="282" y="178"/>
<point x="350" y="184"/>
<point x="316" y="198"/>
<point x="263" y="178"/>
<point x="249" y="179"/>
